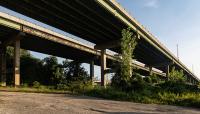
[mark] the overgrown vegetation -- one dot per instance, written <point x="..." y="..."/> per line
<point x="149" y="95"/>
<point x="176" y="75"/>
<point x="148" y="89"/>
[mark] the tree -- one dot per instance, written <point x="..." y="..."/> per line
<point x="128" y="42"/>
<point x="73" y="71"/>
<point x="52" y="71"/>
<point x="31" y="69"/>
<point x="176" y="75"/>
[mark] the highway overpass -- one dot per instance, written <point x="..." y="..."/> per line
<point x="99" y="21"/>
<point x="36" y="38"/>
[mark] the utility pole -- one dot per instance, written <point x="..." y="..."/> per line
<point x="177" y="51"/>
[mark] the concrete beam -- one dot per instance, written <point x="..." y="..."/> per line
<point x="103" y="67"/>
<point x="16" y="69"/>
<point x="111" y="70"/>
<point x="164" y="64"/>
<point x="107" y="45"/>
<point x="3" y="65"/>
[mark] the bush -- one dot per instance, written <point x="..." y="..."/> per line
<point x="25" y="85"/>
<point x="176" y="75"/>
<point x="184" y="99"/>
<point x="147" y="79"/>
<point x="36" y="84"/>
<point x="80" y="86"/>
<point x="138" y="78"/>
<point x="62" y="87"/>
<point x="155" y="78"/>
<point x="178" y="87"/>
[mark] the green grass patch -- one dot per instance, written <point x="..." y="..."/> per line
<point x="42" y="89"/>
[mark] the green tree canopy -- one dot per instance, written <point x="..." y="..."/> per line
<point x="176" y="75"/>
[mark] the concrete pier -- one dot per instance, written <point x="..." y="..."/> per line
<point x="103" y="67"/>
<point x="3" y="65"/>
<point x="16" y="69"/>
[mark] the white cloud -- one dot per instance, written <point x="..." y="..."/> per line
<point x="151" y="3"/>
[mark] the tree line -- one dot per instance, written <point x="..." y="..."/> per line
<point x="47" y="71"/>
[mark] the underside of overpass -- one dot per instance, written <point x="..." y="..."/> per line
<point x="96" y="21"/>
<point x="35" y="38"/>
<point x="85" y="19"/>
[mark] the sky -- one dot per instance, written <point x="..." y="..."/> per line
<point x="171" y="21"/>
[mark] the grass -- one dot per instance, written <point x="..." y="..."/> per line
<point x="190" y="97"/>
<point x="43" y="89"/>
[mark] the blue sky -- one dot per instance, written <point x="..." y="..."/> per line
<point x="172" y="22"/>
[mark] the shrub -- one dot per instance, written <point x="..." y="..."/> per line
<point x="136" y="83"/>
<point x="176" y="75"/>
<point x="138" y="78"/>
<point x="155" y="78"/>
<point x="36" y="84"/>
<point x="80" y="86"/>
<point x="147" y="79"/>
<point x="178" y="87"/>
<point x="62" y="87"/>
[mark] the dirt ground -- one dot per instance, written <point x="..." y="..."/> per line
<point x="37" y="103"/>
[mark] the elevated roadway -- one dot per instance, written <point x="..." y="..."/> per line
<point x="100" y="21"/>
<point x="43" y="40"/>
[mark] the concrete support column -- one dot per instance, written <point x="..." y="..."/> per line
<point x="150" y="71"/>
<point x="3" y="65"/>
<point x="167" y="72"/>
<point x="103" y="67"/>
<point x="190" y="80"/>
<point x="92" y="70"/>
<point x="16" y="69"/>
